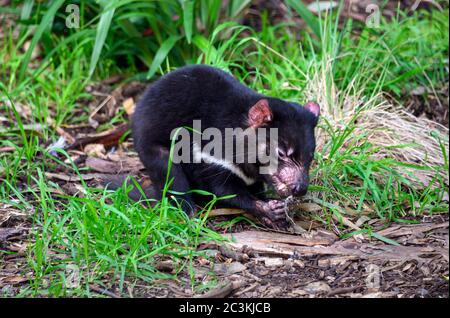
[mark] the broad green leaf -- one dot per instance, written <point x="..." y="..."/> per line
<point x="26" y="9"/>
<point x="100" y="37"/>
<point x="161" y="54"/>
<point x="145" y="54"/>
<point x="188" y="18"/>
<point x="48" y="16"/>
<point x="236" y="7"/>
<point x="210" y="10"/>
<point x="304" y="12"/>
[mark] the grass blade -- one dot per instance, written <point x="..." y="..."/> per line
<point x="385" y="239"/>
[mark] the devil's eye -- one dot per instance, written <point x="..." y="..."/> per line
<point x="281" y="153"/>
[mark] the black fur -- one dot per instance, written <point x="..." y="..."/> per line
<point x="218" y="100"/>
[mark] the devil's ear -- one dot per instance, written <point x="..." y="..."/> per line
<point x="313" y="107"/>
<point x="260" y="114"/>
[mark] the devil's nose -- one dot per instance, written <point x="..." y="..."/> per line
<point x="299" y="189"/>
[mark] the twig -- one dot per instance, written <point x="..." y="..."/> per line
<point x="103" y="291"/>
<point x="343" y="290"/>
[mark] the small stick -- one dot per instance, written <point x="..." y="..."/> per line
<point x="102" y="291"/>
<point x="343" y="290"/>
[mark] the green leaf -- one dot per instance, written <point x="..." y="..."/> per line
<point x="100" y="37"/>
<point x="26" y="10"/>
<point x="210" y="10"/>
<point x="48" y="16"/>
<point x="188" y="18"/>
<point x="161" y="54"/>
<point x="304" y="12"/>
<point x="236" y="7"/>
<point x="144" y="53"/>
<point x="209" y="51"/>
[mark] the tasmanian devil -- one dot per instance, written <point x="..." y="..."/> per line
<point x="212" y="98"/>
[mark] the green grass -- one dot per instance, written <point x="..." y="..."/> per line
<point x="113" y="241"/>
<point x="105" y="234"/>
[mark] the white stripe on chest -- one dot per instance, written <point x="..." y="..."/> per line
<point x="207" y="158"/>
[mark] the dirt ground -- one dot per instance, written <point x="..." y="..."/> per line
<point x="269" y="264"/>
<point x="280" y="266"/>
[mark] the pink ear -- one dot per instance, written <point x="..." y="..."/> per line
<point x="260" y="114"/>
<point x="313" y="107"/>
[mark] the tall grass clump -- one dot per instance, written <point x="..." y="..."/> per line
<point x="135" y="33"/>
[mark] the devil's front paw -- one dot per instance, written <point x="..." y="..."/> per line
<point x="273" y="213"/>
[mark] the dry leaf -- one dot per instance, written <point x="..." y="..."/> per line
<point x="13" y="280"/>
<point x="129" y="105"/>
<point x="108" y="138"/>
<point x="220" y="212"/>
<point x="127" y="164"/>
<point x="95" y="150"/>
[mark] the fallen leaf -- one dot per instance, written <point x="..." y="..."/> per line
<point x="76" y="178"/>
<point x="129" y="105"/>
<point x="221" y="291"/>
<point x="108" y="138"/>
<point x="7" y="232"/>
<point x="308" y="207"/>
<point x="317" y="288"/>
<point x="273" y="261"/>
<point x="229" y="269"/>
<point x="220" y="212"/>
<point x="128" y="164"/>
<point x="95" y="150"/>
<point x="13" y="280"/>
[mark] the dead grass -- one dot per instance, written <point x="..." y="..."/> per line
<point x="394" y="132"/>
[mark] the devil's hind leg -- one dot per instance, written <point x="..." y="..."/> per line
<point x="156" y="161"/>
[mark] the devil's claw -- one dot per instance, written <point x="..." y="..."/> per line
<point x="273" y="213"/>
<point x="274" y="209"/>
<point x="279" y="225"/>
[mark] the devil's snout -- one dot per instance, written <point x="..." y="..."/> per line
<point x="291" y="180"/>
<point x="300" y="189"/>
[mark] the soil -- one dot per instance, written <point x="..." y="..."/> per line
<point x="434" y="106"/>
